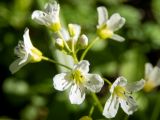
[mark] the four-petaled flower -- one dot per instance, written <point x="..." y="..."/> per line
<point x="26" y="53"/>
<point x="106" y="27"/>
<point x="121" y="94"/>
<point x="152" y="77"/>
<point x="50" y="16"/>
<point x="79" y="80"/>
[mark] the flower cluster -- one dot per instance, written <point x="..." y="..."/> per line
<point x="78" y="79"/>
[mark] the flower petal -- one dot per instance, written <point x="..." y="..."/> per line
<point x="111" y="107"/>
<point x="115" y="22"/>
<point x="128" y="105"/>
<point x="41" y="18"/>
<point x="52" y="8"/>
<point x="27" y="42"/>
<point x="94" y="82"/>
<point x="61" y="82"/>
<point x="134" y="87"/>
<point x="77" y="94"/>
<point x="83" y="66"/>
<point x="155" y="76"/>
<point x="148" y="69"/>
<point x="102" y="15"/>
<point x="53" y="11"/>
<point x="15" y="66"/>
<point x="117" y="38"/>
<point x="121" y="81"/>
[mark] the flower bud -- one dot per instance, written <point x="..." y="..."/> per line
<point x="83" y="42"/>
<point x="59" y="44"/>
<point x="71" y="30"/>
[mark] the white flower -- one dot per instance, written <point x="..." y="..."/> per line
<point x="121" y="94"/>
<point x="26" y="53"/>
<point x="152" y="77"/>
<point x="50" y="16"/>
<point x="79" y="80"/>
<point x="106" y="27"/>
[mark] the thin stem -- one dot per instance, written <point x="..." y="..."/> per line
<point x="94" y="96"/>
<point x="107" y="81"/>
<point x="89" y="46"/>
<point x="53" y="61"/>
<point x="91" y="111"/>
<point x="65" y="43"/>
<point x="156" y="110"/>
<point x="75" y="57"/>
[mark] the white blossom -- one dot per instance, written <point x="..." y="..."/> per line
<point x="152" y="77"/>
<point x="107" y="26"/>
<point x="121" y="94"/>
<point x="26" y="53"/>
<point x="49" y="17"/>
<point x="79" y="81"/>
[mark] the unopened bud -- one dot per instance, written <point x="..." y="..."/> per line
<point x="83" y="41"/>
<point x="71" y="30"/>
<point x="59" y="43"/>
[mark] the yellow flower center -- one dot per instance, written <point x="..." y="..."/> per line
<point x="36" y="55"/>
<point x="149" y="86"/>
<point x="77" y="77"/>
<point x="119" y="91"/>
<point x="104" y="33"/>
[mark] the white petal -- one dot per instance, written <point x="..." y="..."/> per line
<point x="53" y="11"/>
<point x="42" y="18"/>
<point x="115" y="22"/>
<point x="111" y="107"/>
<point x="128" y="105"/>
<point x="25" y="58"/>
<point x="83" y="66"/>
<point x="102" y="15"/>
<point x="77" y="94"/>
<point x="52" y="8"/>
<point x="61" y="81"/>
<point x="117" y="38"/>
<point x="27" y="42"/>
<point x="148" y="69"/>
<point x="134" y="87"/>
<point x="94" y="82"/>
<point x="15" y="66"/>
<point x="155" y="76"/>
<point x="121" y="81"/>
<point x="65" y="34"/>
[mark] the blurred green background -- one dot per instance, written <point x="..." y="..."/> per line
<point x="29" y="94"/>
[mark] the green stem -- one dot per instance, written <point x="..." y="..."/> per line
<point x="156" y="110"/>
<point x="94" y="96"/>
<point x="107" y="81"/>
<point x="91" y="111"/>
<point x="55" y="62"/>
<point x="89" y="46"/>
